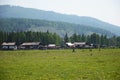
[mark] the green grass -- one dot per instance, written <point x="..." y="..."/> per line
<point x="60" y="65"/>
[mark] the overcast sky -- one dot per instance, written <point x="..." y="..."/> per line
<point x="106" y="10"/>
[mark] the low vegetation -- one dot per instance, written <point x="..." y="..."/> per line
<point x="81" y="64"/>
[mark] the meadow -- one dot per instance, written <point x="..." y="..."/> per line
<point x="60" y="64"/>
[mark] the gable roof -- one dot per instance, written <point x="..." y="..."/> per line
<point x="69" y="44"/>
<point x="51" y="45"/>
<point x="30" y="43"/>
<point x="8" y="44"/>
<point x="79" y="43"/>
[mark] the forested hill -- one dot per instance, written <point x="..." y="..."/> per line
<point x="7" y="11"/>
<point x="61" y="28"/>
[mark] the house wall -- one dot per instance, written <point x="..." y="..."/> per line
<point x="9" y="47"/>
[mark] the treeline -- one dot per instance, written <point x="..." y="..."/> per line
<point x="19" y="37"/>
<point x="52" y="38"/>
<point x="101" y="40"/>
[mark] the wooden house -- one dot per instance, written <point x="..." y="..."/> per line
<point x="9" y="46"/>
<point x="30" y="45"/>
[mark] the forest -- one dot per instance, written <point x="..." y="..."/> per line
<point x="60" y="28"/>
<point x="52" y="38"/>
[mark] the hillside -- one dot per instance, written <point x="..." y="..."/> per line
<point x="7" y="11"/>
<point x="61" y="28"/>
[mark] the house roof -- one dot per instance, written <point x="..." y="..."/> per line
<point x="51" y="45"/>
<point x="8" y="44"/>
<point x="30" y="43"/>
<point x="79" y="43"/>
<point x="69" y="44"/>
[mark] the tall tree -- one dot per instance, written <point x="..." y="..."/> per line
<point x="66" y="38"/>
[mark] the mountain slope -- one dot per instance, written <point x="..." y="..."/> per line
<point x="61" y="28"/>
<point x="7" y="11"/>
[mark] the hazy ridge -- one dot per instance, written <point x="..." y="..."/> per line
<point x="90" y="24"/>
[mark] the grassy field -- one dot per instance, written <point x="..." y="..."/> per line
<point x="60" y="65"/>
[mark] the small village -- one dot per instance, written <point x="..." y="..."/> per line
<point x="38" y="45"/>
<point x="59" y="39"/>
